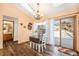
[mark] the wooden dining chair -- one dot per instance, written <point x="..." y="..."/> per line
<point x="41" y="44"/>
<point x="32" y="42"/>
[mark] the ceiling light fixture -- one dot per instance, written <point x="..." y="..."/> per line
<point x="37" y="12"/>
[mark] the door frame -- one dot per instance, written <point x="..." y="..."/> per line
<point x="13" y="19"/>
<point x="74" y="32"/>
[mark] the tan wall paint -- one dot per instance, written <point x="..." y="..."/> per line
<point x="13" y="11"/>
<point x="1" y="37"/>
<point x="77" y="33"/>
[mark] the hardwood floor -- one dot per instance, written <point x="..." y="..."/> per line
<point x="14" y="49"/>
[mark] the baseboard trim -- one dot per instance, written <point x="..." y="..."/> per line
<point x="24" y="42"/>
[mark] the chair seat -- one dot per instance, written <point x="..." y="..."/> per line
<point x="39" y="42"/>
<point x="36" y="40"/>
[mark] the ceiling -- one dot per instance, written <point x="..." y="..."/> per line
<point x="47" y="9"/>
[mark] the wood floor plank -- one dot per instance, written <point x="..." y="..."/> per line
<point x="14" y="49"/>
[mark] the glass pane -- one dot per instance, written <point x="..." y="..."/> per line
<point x="56" y="27"/>
<point x="67" y="30"/>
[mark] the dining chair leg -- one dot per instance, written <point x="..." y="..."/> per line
<point x="36" y="46"/>
<point x="42" y="47"/>
<point x="33" y="44"/>
<point x="30" y="44"/>
<point x="45" y="46"/>
<point x="39" y="48"/>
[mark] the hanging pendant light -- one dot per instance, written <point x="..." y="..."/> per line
<point x="37" y="15"/>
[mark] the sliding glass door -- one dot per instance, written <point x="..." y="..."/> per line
<point x="67" y="32"/>
<point x="56" y="30"/>
<point x="64" y="32"/>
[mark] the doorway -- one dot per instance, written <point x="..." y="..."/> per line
<point x="8" y="32"/>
